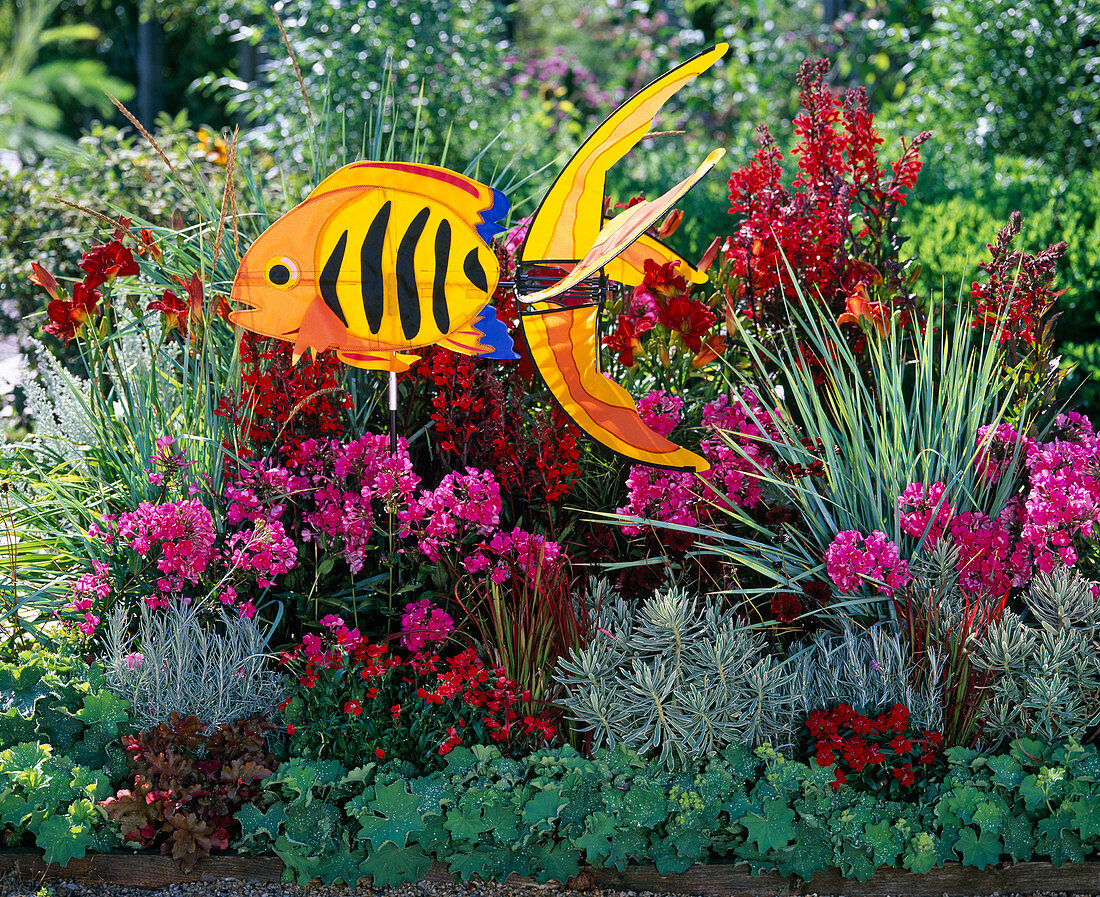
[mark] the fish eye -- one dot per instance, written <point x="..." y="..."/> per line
<point x="282" y="273"/>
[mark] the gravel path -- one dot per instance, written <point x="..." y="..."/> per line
<point x="234" y="888"/>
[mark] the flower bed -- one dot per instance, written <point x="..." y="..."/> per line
<point x="865" y="639"/>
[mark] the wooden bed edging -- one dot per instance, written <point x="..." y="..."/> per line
<point x="151" y="870"/>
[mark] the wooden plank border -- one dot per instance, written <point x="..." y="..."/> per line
<point x="144" y="869"/>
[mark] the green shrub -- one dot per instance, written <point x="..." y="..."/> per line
<point x="948" y="237"/>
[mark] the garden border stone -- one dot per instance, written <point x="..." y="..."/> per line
<point x="146" y="869"/>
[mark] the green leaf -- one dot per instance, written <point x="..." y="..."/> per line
<point x="1018" y="832"/>
<point x="545" y="807"/>
<point x="62" y="839"/>
<point x="503" y="821"/>
<point x="260" y="829"/>
<point x="104" y="710"/>
<point x="391" y="866"/>
<point x="774" y="829"/>
<point x="884" y="840"/>
<point x="554" y="861"/>
<point x="979" y="852"/>
<point x="1086" y="819"/>
<point x="920" y="854"/>
<point x="13" y="809"/>
<point x="810" y="853"/>
<point x="466" y="824"/>
<point x="399" y="816"/>
<point x="599" y="831"/>
<point x="1007" y="772"/>
<point x="340" y="867"/>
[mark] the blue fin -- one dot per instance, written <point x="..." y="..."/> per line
<point x="495" y="334"/>
<point x="492" y="217"/>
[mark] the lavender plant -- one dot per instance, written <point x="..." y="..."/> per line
<point x="179" y="663"/>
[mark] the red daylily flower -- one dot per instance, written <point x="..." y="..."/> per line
<point x="859" y="309"/>
<point x="670" y="225"/>
<point x="104" y="263"/>
<point x="662" y="282"/>
<point x="67" y="316"/>
<point x="688" y="317"/>
<point x="174" y="308"/>
<point x="149" y="245"/>
<point x="626" y="340"/>
<point x="44" y="279"/>
<point x="713" y="347"/>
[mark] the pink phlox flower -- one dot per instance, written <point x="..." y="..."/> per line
<point x="422" y="624"/>
<point x="854" y="559"/>
<point x="925" y="509"/>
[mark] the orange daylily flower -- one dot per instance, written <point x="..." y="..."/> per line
<point x="859" y="309"/>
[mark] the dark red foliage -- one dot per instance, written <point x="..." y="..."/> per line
<point x="187" y="786"/>
<point x="810" y="227"/>
<point x="1017" y="294"/>
<point x="282" y="405"/>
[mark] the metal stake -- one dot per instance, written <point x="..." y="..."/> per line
<point x="393" y="412"/>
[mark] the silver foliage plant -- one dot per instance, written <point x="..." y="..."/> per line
<point x="674" y="676"/>
<point x="1046" y="668"/>
<point x="867" y="669"/>
<point x="216" y="670"/>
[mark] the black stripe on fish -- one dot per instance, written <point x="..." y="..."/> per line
<point x="370" y="266"/>
<point x="439" y="286"/>
<point x="408" y="296"/>
<point x="327" y="281"/>
<point x="474" y="271"/>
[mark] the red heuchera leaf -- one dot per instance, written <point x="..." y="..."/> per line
<point x="187" y="786"/>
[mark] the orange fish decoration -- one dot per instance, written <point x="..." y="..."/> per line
<point x="385" y="258"/>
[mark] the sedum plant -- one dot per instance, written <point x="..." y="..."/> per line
<point x="1045" y="664"/>
<point x="675" y="676"/>
<point x="180" y="664"/>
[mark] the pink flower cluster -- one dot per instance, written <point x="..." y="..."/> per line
<point x="423" y="623"/>
<point x="265" y="551"/>
<point x="998" y="448"/>
<point x="89" y="590"/>
<point x="925" y="511"/>
<point x="1062" y="502"/>
<point x="854" y="559"/>
<point x="991" y="559"/>
<point x="442" y="514"/>
<point x="179" y="534"/>
<point x="679" y="498"/>
<point x="355" y="482"/>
